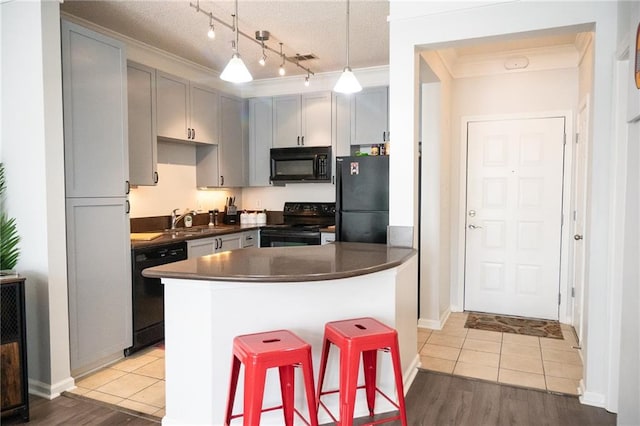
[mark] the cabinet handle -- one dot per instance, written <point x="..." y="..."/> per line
<point x="384" y="139"/>
<point x="193" y="133"/>
<point x="220" y="239"/>
<point x="302" y="141"/>
<point x="216" y="243"/>
<point x="127" y="187"/>
<point x="155" y="177"/>
<point x="128" y="207"/>
<point x="188" y="133"/>
<point x="298" y="142"/>
<point x="221" y="180"/>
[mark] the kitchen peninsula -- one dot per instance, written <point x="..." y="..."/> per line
<point x="211" y="299"/>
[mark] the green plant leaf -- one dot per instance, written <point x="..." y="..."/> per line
<point x="9" y="239"/>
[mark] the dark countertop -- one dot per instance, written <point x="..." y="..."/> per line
<point x="280" y="264"/>
<point x="193" y="233"/>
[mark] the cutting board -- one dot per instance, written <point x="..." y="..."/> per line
<point x="145" y="236"/>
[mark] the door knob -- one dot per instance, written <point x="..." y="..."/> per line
<point x="474" y="226"/>
<point x="577" y="237"/>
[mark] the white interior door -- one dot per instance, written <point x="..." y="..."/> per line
<point x="514" y="209"/>
<point x="579" y="206"/>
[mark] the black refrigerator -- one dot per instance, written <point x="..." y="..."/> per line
<point x="362" y="199"/>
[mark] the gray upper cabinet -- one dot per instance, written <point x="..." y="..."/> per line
<point x="342" y="126"/>
<point x="370" y="117"/>
<point x="143" y="157"/>
<point x="186" y="111"/>
<point x="95" y="102"/>
<point x="232" y="142"/>
<point x="302" y="120"/>
<point x="223" y="165"/>
<point x="260" y="140"/>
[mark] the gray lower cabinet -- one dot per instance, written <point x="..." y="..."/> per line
<point x="143" y="152"/>
<point x="94" y="72"/>
<point x="260" y="140"/>
<point x="227" y="242"/>
<point x="99" y="274"/>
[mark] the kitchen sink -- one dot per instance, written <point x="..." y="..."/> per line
<point x="194" y="231"/>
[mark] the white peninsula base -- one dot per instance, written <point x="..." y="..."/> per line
<point x="202" y="318"/>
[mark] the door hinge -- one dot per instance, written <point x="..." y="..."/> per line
<point x="559" y="298"/>
<point x="564" y="139"/>
<point x="575" y="215"/>
<point x="577" y="137"/>
<point x="561" y="220"/>
<point x="573" y="292"/>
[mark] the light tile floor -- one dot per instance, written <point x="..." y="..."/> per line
<point x="535" y="362"/>
<point x="136" y="383"/>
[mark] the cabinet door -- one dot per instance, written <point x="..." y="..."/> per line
<point x="207" y="170"/>
<point x="230" y="242"/>
<point x="172" y="106"/>
<point x="99" y="274"/>
<point x="316" y="119"/>
<point x="143" y="156"/>
<point x="327" y="238"/>
<point x="370" y="116"/>
<point x="260" y="140"/>
<point x="204" y="114"/>
<point x="232" y="142"/>
<point x="251" y="239"/>
<point x="342" y="121"/>
<point x="200" y="247"/>
<point x="94" y="74"/>
<point x="286" y="121"/>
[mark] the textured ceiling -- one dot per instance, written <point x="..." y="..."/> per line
<point x="304" y="26"/>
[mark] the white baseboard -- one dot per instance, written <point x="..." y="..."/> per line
<point x="591" y="398"/>
<point x="47" y="391"/>
<point x="435" y="324"/>
<point x="410" y="373"/>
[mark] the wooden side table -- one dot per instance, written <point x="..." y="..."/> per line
<point x="14" y="392"/>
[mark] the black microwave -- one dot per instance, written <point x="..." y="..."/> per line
<point x="301" y="164"/>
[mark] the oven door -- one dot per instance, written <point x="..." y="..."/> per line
<point x="287" y="237"/>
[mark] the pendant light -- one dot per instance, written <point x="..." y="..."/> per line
<point x="347" y="83"/>
<point x="236" y="71"/>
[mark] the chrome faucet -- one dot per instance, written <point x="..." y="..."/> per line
<point x="175" y="219"/>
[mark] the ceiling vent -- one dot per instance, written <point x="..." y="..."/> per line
<point x="300" y="58"/>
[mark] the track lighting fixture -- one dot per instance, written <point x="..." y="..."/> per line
<point x="282" y="71"/>
<point x="236" y="71"/>
<point x="212" y="31"/>
<point x="347" y="83"/>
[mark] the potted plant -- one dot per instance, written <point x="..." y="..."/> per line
<point x="9" y="238"/>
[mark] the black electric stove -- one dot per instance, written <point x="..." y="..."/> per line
<point x="301" y="225"/>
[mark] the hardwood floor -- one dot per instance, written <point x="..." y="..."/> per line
<point x="433" y="399"/>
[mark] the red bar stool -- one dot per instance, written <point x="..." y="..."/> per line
<point x="354" y="337"/>
<point x="261" y="351"/>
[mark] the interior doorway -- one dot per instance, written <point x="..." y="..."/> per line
<point x="514" y="209"/>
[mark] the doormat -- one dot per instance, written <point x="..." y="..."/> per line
<point x="516" y="325"/>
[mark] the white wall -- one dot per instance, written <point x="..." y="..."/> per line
<point x="32" y="151"/>
<point x="435" y="221"/>
<point x="431" y="27"/>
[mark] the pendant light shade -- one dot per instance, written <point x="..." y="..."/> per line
<point x="347" y="83"/>
<point x="236" y="71"/>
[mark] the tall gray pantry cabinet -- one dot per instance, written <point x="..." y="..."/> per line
<point x="94" y="77"/>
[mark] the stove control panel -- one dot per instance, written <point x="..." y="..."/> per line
<point x="309" y="209"/>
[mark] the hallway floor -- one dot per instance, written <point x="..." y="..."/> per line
<point x="535" y="362"/>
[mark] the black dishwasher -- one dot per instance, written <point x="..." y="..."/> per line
<point x="148" y="293"/>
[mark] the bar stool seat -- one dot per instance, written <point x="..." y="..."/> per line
<point x="355" y="337"/>
<point x="258" y="352"/>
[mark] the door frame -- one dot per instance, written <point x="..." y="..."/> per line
<point x="457" y="300"/>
